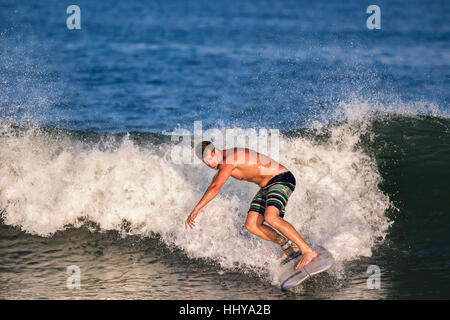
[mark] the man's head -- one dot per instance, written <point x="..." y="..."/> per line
<point x="208" y="153"/>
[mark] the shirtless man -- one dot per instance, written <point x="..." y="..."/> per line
<point x="277" y="184"/>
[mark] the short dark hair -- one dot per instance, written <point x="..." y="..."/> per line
<point x="202" y="147"/>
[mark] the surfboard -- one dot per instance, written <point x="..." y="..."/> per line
<point x="289" y="277"/>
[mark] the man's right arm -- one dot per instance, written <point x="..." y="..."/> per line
<point x="218" y="181"/>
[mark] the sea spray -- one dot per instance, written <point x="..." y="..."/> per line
<point x="50" y="182"/>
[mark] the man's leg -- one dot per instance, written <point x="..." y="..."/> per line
<point x="272" y="218"/>
<point x="254" y="224"/>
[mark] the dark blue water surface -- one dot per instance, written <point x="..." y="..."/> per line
<point x="154" y="65"/>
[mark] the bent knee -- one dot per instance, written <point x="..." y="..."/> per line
<point x="251" y="226"/>
<point x="253" y="221"/>
<point x="272" y="218"/>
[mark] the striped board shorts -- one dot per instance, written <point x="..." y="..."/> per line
<point x="276" y="193"/>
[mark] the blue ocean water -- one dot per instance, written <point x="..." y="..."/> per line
<point x="151" y="66"/>
<point x="84" y="172"/>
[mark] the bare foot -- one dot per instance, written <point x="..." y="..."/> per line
<point x="289" y="251"/>
<point x="307" y="257"/>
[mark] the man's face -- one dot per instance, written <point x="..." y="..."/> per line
<point x="210" y="159"/>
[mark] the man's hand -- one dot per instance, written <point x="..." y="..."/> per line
<point x="190" y="221"/>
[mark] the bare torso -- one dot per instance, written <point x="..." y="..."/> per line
<point x="252" y="166"/>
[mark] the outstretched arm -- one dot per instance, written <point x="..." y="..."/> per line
<point x="218" y="181"/>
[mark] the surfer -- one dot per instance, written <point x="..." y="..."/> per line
<point x="276" y="185"/>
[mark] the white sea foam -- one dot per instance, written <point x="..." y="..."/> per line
<point x="48" y="182"/>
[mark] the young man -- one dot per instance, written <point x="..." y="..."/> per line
<point x="277" y="184"/>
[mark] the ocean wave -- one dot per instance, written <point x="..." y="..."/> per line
<point x="51" y="179"/>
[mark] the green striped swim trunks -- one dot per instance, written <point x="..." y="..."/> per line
<point x="276" y="193"/>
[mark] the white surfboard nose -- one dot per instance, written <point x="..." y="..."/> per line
<point x="289" y="277"/>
